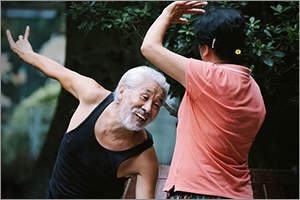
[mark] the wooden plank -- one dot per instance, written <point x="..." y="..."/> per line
<point x="129" y="189"/>
<point x="291" y="191"/>
<point x="258" y="191"/>
<point x="266" y="184"/>
<point x="159" y="193"/>
<point x="273" y="176"/>
<point x="163" y="171"/>
<point x="274" y="191"/>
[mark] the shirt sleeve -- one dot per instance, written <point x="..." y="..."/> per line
<point x="197" y="77"/>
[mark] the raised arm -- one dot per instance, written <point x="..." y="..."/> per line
<point x="73" y="82"/>
<point x="169" y="62"/>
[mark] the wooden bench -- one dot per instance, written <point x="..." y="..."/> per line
<point x="266" y="184"/>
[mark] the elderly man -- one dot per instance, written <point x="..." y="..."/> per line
<point x="105" y="142"/>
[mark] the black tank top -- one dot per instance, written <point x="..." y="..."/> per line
<point x="84" y="169"/>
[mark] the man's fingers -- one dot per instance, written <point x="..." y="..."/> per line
<point x="26" y="33"/>
<point x="10" y="39"/>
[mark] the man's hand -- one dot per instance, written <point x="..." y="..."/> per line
<point x="22" y="47"/>
<point x="178" y="8"/>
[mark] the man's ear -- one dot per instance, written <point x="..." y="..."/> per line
<point x="121" y="92"/>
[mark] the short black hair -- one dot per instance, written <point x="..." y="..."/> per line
<point x="224" y="25"/>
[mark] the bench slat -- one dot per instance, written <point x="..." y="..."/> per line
<point x="266" y="184"/>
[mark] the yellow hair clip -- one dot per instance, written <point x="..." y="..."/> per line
<point x="238" y="52"/>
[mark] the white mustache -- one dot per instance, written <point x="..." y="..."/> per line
<point x="141" y="113"/>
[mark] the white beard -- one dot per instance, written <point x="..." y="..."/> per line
<point x="127" y="115"/>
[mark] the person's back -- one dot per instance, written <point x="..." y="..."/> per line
<point x="222" y="109"/>
<point x="223" y="113"/>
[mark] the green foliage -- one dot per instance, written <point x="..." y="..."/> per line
<point x="273" y="49"/>
<point x="272" y="37"/>
<point x="131" y="18"/>
<point x="15" y="134"/>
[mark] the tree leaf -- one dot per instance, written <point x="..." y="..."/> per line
<point x="91" y="25"/>
<point x="83" y="24"/>
<point x="268" y="33"/>
<point x="279" y="8"/>
<point x="279" y="54"/>
<point x="268" y="61"/>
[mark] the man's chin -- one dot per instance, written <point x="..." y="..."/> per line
<point x="137" y="127"/>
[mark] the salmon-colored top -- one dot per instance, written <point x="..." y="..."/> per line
<point x="218" y="119"/>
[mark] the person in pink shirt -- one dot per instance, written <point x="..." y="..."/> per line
<point x="222" y="109"/>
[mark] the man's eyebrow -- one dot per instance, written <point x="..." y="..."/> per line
<point x="160" y="99"/>
<point x="147" y="90"/>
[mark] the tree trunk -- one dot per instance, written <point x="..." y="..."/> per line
<point x="100" y="56"/>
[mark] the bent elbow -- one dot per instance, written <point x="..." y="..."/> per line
<point x="145" y="49"/>
<point x="150" y="51"/>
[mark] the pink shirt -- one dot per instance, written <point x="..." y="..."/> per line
<point x="218" y="119"/>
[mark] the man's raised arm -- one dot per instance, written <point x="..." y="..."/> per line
<point x="73" y="82"/>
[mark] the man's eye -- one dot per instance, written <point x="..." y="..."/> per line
<point x="145" y="97"/>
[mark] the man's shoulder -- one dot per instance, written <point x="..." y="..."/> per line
<point x="94" y="96"/>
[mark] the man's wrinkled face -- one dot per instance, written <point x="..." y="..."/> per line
<point x="139" y="106"/>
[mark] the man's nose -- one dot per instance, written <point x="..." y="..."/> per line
<point x="147" y="107"/>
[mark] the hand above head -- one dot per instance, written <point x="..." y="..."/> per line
<point x="178" y="8"/>
<point x="22" y="46"/>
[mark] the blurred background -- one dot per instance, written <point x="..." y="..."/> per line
<point x="101" y="40"/>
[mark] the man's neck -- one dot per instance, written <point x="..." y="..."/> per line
<point x="113" y="124"/>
